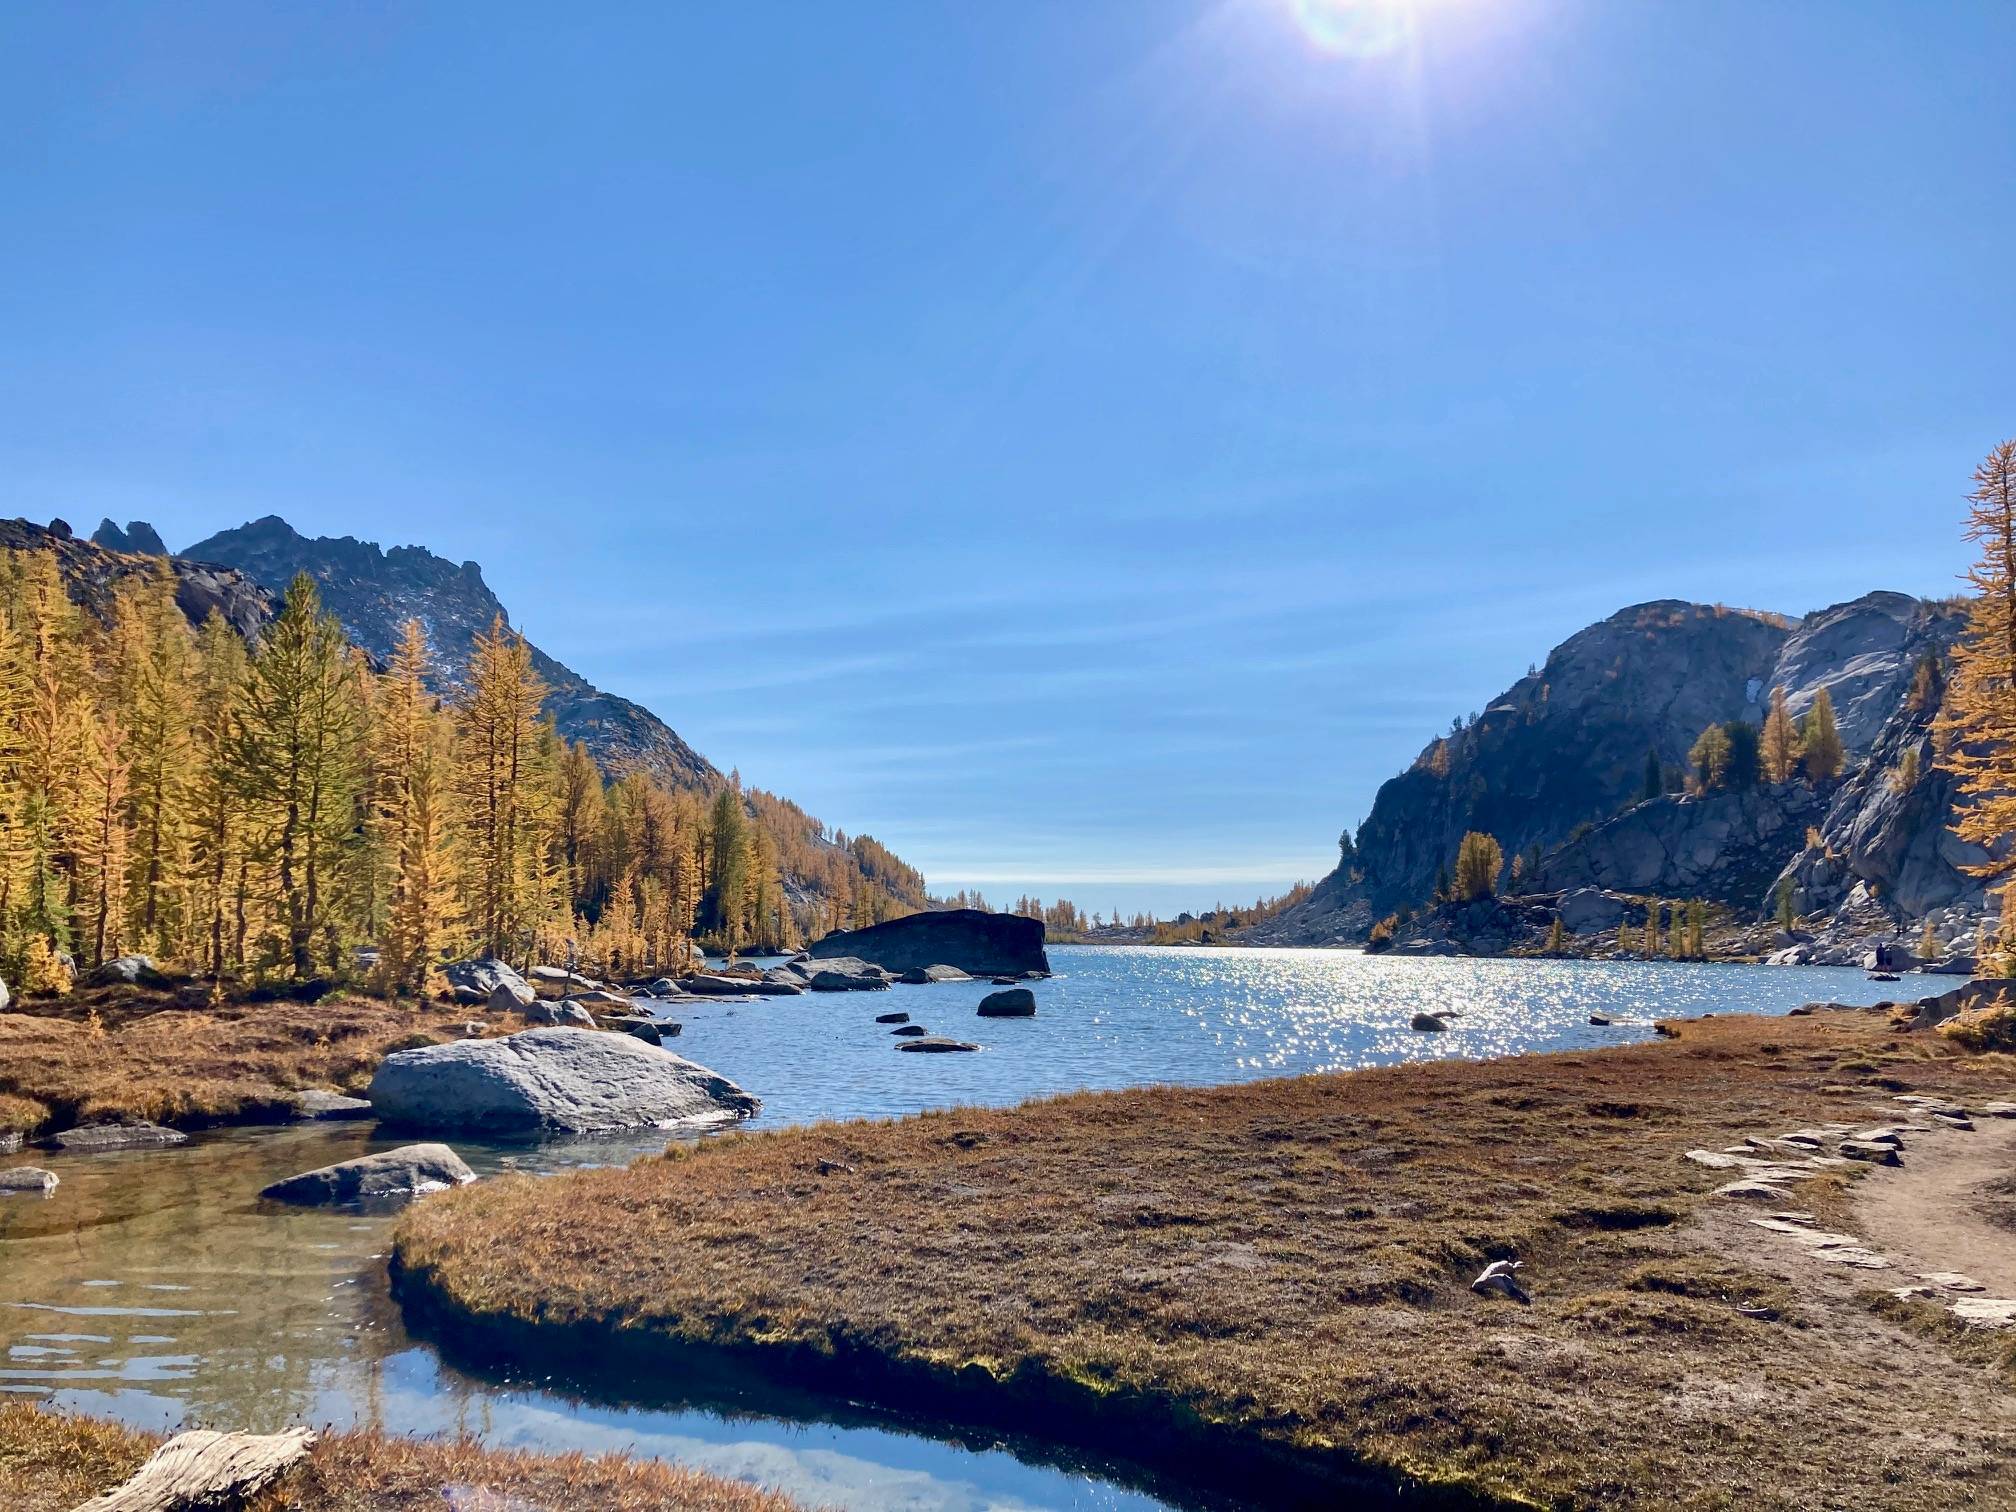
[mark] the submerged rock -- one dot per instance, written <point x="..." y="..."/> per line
<point x="936" y="1045"/>
<point x="892" y="1018"/>
<point x="1427" y="1023"/>
<point x="552" y="1079"/>
<point x="1016" y="1002"/>
<point x="909" y="1031"/>
<point x="27" y="1179"/>
<point x="91" y="1139"/>
<point x="409" y="1171"/>
<point x="980" y="944"/>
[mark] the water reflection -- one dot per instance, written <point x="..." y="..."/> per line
<point x="154" y="1287"/>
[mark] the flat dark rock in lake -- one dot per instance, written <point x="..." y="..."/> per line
<point x="1016" y="1002"/>
<point x="91" y="1139"/>
<point x="409" y="1171"/>
<point x="910" y="1031"/>
<point x="936" y="1045"/>
<point x="892" y="1018"/>
<point x="979" y="944"/>
<point x="27" y="1179"/>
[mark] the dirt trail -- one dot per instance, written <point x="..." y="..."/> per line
<point x="1933" y="1212"/>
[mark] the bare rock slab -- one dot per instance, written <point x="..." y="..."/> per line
<point x="409" y="1171"/>
<point x="932" y="1044"/>
<point x="91" y="1139"/>
<point x="552" y="1080"/>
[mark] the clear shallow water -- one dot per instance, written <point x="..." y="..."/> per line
<point x="154" y="1287"/>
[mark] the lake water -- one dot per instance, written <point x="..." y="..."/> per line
<point x="154" y="1287"/>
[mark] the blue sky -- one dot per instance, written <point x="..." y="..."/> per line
<point x="1087" y="445"/>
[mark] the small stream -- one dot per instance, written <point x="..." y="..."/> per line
<point x="154" y="1287"/>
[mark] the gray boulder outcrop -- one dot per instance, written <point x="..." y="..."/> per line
<point x="552" y="1080"/>
<point x="479" y="981"/>
<point x="409" y="1171"/>
<point x="511" y="997"/>
<point x="566" y="1011"/>
<point x="129" y="970"/>
<point x="977" y="943"/>
<point x="1016" y="1002"/>
<point x="27" y="1179"/>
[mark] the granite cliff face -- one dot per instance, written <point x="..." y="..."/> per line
<point x="374" y="591"/>
<point x="1558" y="763"/>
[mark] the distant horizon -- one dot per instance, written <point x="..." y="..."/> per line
<point x="1087" y="447"/>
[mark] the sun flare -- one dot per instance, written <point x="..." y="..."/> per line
<point x="1357" y="28"/>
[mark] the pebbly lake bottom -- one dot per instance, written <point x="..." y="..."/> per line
<point x="154" y="1287"/>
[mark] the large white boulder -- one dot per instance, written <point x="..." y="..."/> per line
<point x="562" y="1080"/>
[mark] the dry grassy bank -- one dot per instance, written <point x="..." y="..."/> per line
<point x="136" y="1053"/>
<point x="50" y="1462"/>
<point x="1283" y="1267"/>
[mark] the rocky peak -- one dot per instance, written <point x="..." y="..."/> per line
<point x="138" y="537"/>
<point x="374" y="591"/>
<point x="1557" y="762"/>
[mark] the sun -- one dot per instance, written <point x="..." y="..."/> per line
<point x="1357" y="28"/>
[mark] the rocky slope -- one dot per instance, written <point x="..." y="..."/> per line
<point x="92" y="571"/>
<point x="375" y="591"/>
<point x="1557" y="765"/>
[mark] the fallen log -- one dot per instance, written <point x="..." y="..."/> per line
<point x="200" y="1469"/>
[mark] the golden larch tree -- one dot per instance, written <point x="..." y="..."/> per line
<point x="1978" y="721"/>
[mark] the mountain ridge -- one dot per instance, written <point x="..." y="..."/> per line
<point x="374" y="590"/>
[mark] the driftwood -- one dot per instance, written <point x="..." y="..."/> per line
<point x="201" y="1470"/>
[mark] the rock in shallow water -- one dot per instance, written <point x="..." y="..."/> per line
<point x="93" y="1138"/>
<point x="934" y="1045"/>
<point x="319" y="1103"/>
<point x="1427" y="1023"/>
<point x="409" y="1171"/>
<point x="1016" y="1002"/>
<point x="552" y="1079"/>
<point x="27" y="1179"/>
